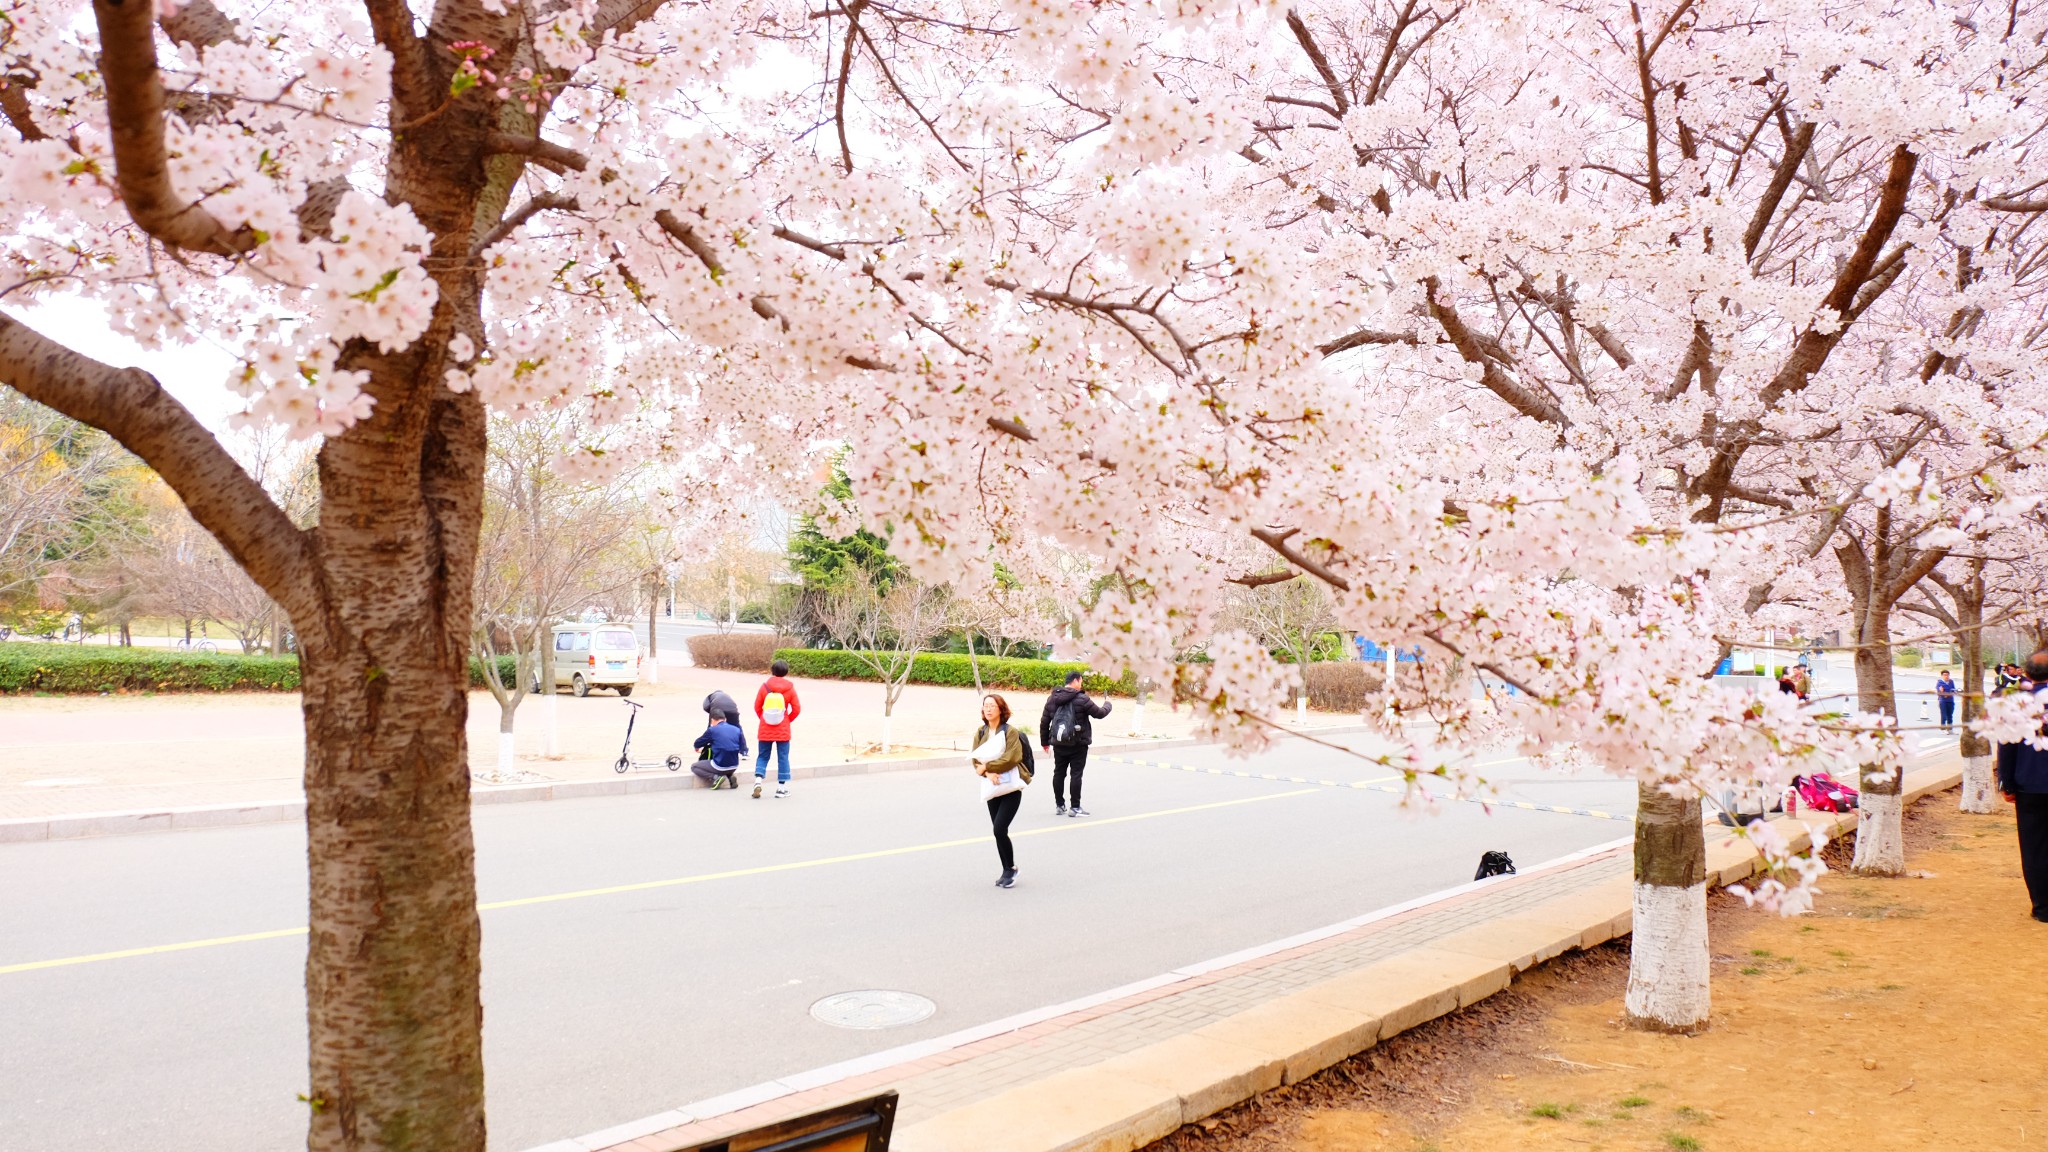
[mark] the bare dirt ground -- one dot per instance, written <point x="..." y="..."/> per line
<point x="1901" y="1014"/>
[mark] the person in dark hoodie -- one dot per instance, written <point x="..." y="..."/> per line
<point x="2023" y="778"/>
<point x="1064" y="731"/>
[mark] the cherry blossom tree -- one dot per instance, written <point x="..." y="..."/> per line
<point x="1486" y="318"/>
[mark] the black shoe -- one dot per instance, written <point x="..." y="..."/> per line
<point x="1008" y="878"/>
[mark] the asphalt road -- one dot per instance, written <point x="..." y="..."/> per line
<point x="602" y="1007"/>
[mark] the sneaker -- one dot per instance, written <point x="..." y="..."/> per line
<point x="782" y="792"/>
<point x="1077" y="810"/>
<point x="1008" y="878"/>
<point x="757" y="787"/>
<point x="1062" y="810"/>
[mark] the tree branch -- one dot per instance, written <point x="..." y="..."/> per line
<point x="1276" y="539"/>
<point x="1365" y="337"/>
<point x="1473" y="349"/>
<point x="132" y="407"/>
<point x="544" y="202"/>
<point x="135" y="111"/>
<point x="544" y="152"/>
<point x="1321" y="62"/>
<point x="1774" y="193"/>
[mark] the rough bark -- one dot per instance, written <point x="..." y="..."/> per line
<point x="1668" y="959"/>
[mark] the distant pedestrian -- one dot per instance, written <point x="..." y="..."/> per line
<point x="2008" y="678"/>
<point x="722" y="745"/>
<point x="775" y="706"/>
<point x="719" y="704"/>
<point x="1064" y="731"/>
<point x="1945" y="700"/>
<point x="2023" y="778"/>
<point x="1002" y="759"/>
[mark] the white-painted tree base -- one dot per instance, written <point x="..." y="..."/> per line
<point x="1880" y="837"/>
<point x="1137" y="718"/>
<point x="551" y="716"/>
<point x="1301" y="711"/>
<point x="1668" y="961"/>
<point x="886" y="720"/>
<point x="652" y="668"/>
<point x="1980" y="791"/>
<point x="507" y="754"/>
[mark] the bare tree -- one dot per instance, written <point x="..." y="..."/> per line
<point x="548" y="544"/>
<point x="884" y="630"/>
<point x="1292" y="616"/>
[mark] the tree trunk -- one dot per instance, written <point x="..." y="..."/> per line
<point x="1880" y="836"/>
<point x="653" y="651"/>
<point x="1979" y="794"/>
<point x="393" y="962"/>
<point x="974" y="663"/>
<point x="1668" y="960"/>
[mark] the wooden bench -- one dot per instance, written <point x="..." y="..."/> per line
<point x="862" y="1126"/>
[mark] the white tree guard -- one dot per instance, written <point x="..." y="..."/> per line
<point x="1668" y="961"/>
<point x="1880" y="837"/>
<point x="1980" y="791"/>
<point x="506" y="755"/>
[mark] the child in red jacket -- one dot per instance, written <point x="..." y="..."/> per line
<point x="775" y="706"/>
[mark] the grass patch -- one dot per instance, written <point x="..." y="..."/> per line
<point x="1681" y="1142"/>
<point x="1547" y="1111"/>
<point x="1690" y="1115"/>
<point x="1752" y="970"/>
<point x="1634" y="1102"/>
<point x="1762" y="953"/>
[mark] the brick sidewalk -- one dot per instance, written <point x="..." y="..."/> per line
<point x="946" y="1074"/>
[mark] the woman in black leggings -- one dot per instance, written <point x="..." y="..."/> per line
<point x="995" y="720"/>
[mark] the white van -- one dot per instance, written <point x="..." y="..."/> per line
<point x="596" y="656"/>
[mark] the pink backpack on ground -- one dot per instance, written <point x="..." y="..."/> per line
<point x="1823" y="793"/>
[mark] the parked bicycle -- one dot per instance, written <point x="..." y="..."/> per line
<point x="202" y="645"/>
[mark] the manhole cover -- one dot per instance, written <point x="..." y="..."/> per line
<point x="875" y="1008"/>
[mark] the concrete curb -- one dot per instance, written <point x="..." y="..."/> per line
<point x="117" y="823"/>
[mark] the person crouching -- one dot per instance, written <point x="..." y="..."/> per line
<point x="721" y="746"/>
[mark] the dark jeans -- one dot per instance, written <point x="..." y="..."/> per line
<point x="1947" y="704"/>
<point x="781" y="748"/>
<point x="1066" y="759"/>
<point x="1001" y="811"/>
<point x="2032" y="810"/>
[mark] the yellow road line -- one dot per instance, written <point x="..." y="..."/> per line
<point x="152" y="950"/>
<point x="731" y="874"/>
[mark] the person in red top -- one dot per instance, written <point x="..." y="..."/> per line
<point x="775" y="705"/>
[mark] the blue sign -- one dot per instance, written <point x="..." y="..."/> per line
<point x="1374" y="654"/>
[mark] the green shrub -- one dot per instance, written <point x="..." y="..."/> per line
<point x="71" y="668"/>
<point x="953" y="670"/>
<point x="84" y="668"/>
<point x="1907" y="657"/>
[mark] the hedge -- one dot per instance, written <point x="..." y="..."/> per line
<point x="82" y="668"/>
<point x="1341" y="685"/>
<point x="735" y="651"/>
<point x="953" y="670"/>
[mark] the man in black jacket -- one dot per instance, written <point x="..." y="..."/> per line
<point x="2023" y="777"/>
<point x="1064" y="731"/>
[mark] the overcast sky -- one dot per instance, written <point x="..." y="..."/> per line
<point x="195" y="374"/>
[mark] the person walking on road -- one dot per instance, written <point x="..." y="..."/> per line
<point x="1945" y="700"/>
<point x="1002" y="759"/>
<point x="2023" y="778"/>
<point x="723" y="743"/>
<point x="1064" y="731"/>
<point x="775" y="706"/>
